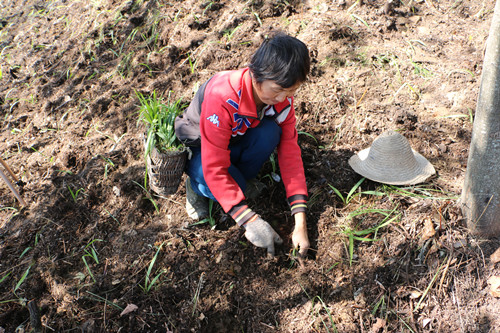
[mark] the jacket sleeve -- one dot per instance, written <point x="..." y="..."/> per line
<point x="215" y="128"/>
<point x="291" y="166"/>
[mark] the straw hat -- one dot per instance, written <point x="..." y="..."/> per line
<point x="391" y="160"/>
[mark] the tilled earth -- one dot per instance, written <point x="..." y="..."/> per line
<point x="94" y="251"/>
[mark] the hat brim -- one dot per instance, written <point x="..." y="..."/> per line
<point x="391" y="174"/>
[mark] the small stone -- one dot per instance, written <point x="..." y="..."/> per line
<point x="116" y="191"/>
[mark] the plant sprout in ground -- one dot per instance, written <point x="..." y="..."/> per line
<point x="90" y="252"/>
<point x="350" y="195"/>
<point x="363" y="235"/>
<point x="148" y="196"/>
<point x="149" y="282"/>
<point x="211" y="216"/>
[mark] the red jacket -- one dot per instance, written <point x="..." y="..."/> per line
<point x="228" y="109"/>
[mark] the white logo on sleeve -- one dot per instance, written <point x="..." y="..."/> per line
<point x="214" y="119"/>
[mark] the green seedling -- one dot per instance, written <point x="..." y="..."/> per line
<point x="356" y="17"/>
<point x="313" y="199"/>
<point x="148" y="282"/>
<point x="404" y="322"/>
<point x="332" y="267"/>
<point x="112" y="216"/>
<point x="5" y="277"/>
<point x="346" y="200"/>
<point x="327" y="310"/>
<point x="308" y="134"/>
<point x="421" y="70"/>
<point x="148" y="196"/>
<point x="22" y="279"/>
<point x="74" y="195"/>
<point x="104" y="300"/>
<point x="257" y="18"/>
<point x="148" y="68"/>
<point x="25" y="251"/>
<point x="207" y="7"/>
<point x="109" y="164"/>
<point x="50" y="160"/>
<point x="160" y="120"/>
<point x="90" y="252"/>
<point x="419" y="191"/>
<point x="124" y="66"/>
<point x="229" y="33"/>
<point x="273" y="176"/>
<point x="192" y="63"/>
<point x="362" y="235"/>
<point x="470" y="116"/>
<point x="380" y="305"/>
<point x="114" y="138"/>
<point x="211" y="216"/>
<point x="430" y="285"/>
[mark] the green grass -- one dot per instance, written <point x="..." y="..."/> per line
<point x="75" y="194"/>
<point x="22" y="279"/>
<point x="148" y="196"/>
<point x="90" y="252"/>
<point x="211" y="216"/>
<point x="149" y="280"/>
<point x="229" y="33"/>
<point x="273" y="175"/>
<point x="347" y="199"/>
<point x="324" y="307"/>
<point x="363" y="235"/>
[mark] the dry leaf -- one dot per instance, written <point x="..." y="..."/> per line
<point x="495" y="257"/>
<point x="415" y="294"/>
<point x="129" y="308"/>
<point x="494" y="281"/>
<point x="380" y="324"/>
<point x="428" y="230"/>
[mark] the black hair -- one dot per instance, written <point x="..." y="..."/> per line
<point x="283" y="59"/>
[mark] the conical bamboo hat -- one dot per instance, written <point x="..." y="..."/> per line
<point x="391" y="160"/>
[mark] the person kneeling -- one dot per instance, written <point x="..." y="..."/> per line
<point x="232" y="126"/>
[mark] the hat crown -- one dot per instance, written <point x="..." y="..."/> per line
<point x="391" y="160"/>
<point x="393" y="150"/>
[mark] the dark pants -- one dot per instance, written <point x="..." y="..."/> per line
<point x="247" y="157"/>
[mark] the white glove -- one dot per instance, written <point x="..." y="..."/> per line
<point x="261" y="234"/>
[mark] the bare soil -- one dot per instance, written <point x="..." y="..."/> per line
<point x="69" y="131"/>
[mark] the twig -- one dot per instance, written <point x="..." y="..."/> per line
<point x="12" y="188"/>
<point x="359" y="102"/>
<point x="6" y="166"/>
<point x="197" y="292"/>
<point x="482" y="213"/>
<point x="35" y="321"/>
<point x="428" y="288"/>
<point x="444" y="273"/>
<point x="459" y="309"/>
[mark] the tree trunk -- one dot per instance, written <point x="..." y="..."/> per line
<point x="481" y="193"/>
